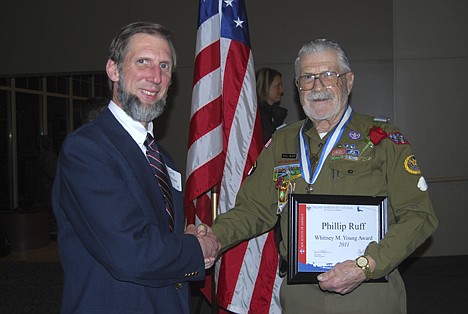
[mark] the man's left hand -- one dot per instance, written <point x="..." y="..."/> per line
<point x="342" y="278"/>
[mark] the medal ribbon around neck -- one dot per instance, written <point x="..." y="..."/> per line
<point x="306" y="167"/>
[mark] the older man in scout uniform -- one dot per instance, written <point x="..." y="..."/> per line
<point x="336" y="151"/>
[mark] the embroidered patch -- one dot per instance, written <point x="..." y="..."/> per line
<point x="287" y="161"/>
<point x="338" y="157"/>
<point x="411" y="165"/>
<point x="338" y="151"/>
<point x="288" y="155"/>
<point x="354" y="135"/>
<point x="351" y="157"/>
<point x="397" y="138"/>
<point x="346" y="145"/>
<point x="353" y="152"/>
<point x="287" y="172"/>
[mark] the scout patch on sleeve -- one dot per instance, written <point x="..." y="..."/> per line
<point x="411" y="165"/>
<point x="397" y="138"/>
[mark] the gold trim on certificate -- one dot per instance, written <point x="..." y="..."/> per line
<point x="328" y="229"/>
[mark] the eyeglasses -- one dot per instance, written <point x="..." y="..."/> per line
<point x="327" y="78"/>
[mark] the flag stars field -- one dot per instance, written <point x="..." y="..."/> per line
<point x="238" y="22"/>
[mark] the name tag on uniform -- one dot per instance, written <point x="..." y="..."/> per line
<point x="176" y="178"/>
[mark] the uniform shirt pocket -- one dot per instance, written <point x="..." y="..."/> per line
<point x="347" y="167"/>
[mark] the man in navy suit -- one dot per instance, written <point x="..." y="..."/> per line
<point x="120" y="249"/>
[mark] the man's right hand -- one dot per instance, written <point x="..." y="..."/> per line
<point x="208" y="242"/>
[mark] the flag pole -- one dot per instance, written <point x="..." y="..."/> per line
<point x="214" y="211"/>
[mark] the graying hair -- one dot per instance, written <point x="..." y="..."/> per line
<point x="321" y="45"/>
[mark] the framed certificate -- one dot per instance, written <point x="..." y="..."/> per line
<point x="327" y="229"/>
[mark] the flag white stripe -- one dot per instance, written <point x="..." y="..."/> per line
<point x="239" y="144"/>
<point x="275" y="305"/>
<point x="251" y="264"/>
<point x="206" y="35"/>
<point x="207" y="89"/>
<point x="204" y="149"/>
<point x="244" y="290"/>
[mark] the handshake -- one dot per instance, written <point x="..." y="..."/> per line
<point x="208" y="242"/>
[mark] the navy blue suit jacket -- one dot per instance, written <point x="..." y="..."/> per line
<point x="116" y="250"/>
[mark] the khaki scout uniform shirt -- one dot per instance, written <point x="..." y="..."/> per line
<point x="388" y="168"/>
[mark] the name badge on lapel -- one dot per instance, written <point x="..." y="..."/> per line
<point x="176" y="178"/>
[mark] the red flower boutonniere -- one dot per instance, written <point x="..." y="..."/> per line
<point x="376" y="135"/>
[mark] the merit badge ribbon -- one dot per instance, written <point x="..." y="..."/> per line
<point x="305" y="163"/>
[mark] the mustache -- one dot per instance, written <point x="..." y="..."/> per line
<point x="319" y="96"/>
<point x="138" y="111"/>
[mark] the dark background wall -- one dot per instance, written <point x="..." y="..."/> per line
<point x="410" y="59"/>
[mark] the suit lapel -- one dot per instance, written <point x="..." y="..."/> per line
<point x="133" y="157"/>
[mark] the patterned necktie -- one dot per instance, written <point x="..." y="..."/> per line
<point x="160" y="172"/>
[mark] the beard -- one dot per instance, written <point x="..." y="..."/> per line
<point x="314" y="114"/>
<point x="137" y="110"/>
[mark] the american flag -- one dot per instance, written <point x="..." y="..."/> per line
<point x="225" y="139"/>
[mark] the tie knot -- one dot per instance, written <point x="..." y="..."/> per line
<point x="149" y="140"/>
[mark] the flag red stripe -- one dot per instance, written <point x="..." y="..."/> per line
<point x="194" y="186"/>
<point x="231" y="264"/>
<point x="238" y="57"/>
<point x="206" y="61"/>
<point x="261" y="297"/>
<point x="255" y="148"/>
<point x="205" y="119"/>
<point x="206" y="216"/>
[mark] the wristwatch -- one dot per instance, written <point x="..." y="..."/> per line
<point x="363" y="263"/>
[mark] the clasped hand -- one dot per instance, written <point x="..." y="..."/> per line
<point x="208" y="242"/>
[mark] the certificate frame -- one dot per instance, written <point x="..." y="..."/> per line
<point x="302" y="268"/>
